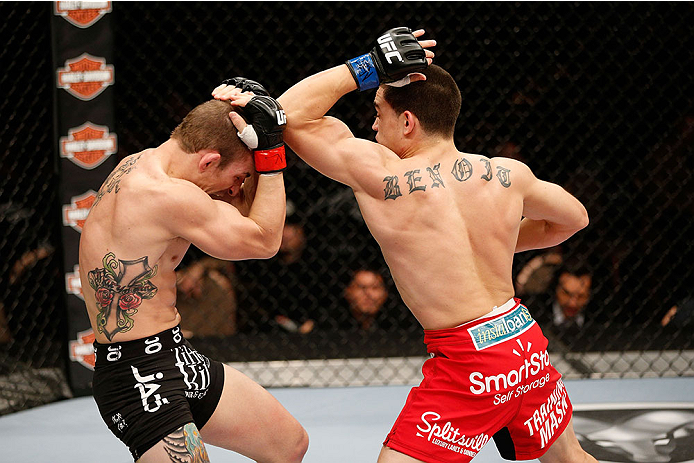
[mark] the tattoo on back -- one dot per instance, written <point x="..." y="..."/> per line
<point x="119" y="288"/>
<point x="185" y="446"/>
<point x="392" y="189"/>
<point x="461" y="171"/>
<point x="113" y="180"/>
<point x="504" y="176"/>
<point x="488" y="166"/>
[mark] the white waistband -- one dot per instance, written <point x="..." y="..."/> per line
<point x="506" y="306"/>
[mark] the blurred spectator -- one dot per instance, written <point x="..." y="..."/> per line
<point x="365" y="296"/>
<point x="5" y="334"/>
<point x="680" y="315"/>
<point x="206" y="298"/>
<point x="292" y="270"/>
<point x="20" y="274"/>
<point x="281" y="293"/>
<point x="571" y="295"/>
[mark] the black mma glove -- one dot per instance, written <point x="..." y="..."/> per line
<point x="264" y="133"/>
<point x="397" y="53"/>
<point x="246" y="85"/>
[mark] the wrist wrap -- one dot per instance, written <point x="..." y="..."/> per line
<point x="364" y="72"/>
<point x="270" y="160"/>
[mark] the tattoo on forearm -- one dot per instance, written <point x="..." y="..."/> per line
<point x="113" y="180"/>
<point x="184" y="445"/>
<point x="119" y="288"/>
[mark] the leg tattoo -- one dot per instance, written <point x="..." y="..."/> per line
<point x="185" y="446"/>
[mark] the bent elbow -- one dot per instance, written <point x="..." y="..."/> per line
<point x="270" y="245"/>
<point x="583" y="220"/>
<point x="271" y="250"/>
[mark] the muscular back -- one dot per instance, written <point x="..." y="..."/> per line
<point x="127" y="259"/>
<point x="447" y="224"/>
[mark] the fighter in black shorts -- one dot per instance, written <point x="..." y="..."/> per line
<point x="204" y="186"/>
<point x="158" y="384"/>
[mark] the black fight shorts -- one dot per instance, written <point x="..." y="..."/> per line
<point x="147" y="388"/>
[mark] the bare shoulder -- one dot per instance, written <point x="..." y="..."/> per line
<point x="511" y="172"/>
<point x="368" y="163"/>
<point x="175" y="196"/>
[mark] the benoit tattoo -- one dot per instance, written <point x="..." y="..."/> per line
<point x="488" y="165"/>
<point x="119" y="290"/>
<point x="461" y="171"/>
<point x="113" y="180"/>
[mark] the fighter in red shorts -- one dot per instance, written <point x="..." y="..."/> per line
<point x="488" y="378"/>
<point x="448" y="224"/>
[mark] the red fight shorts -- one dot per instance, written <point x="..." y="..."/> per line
<point x="490" y="377"/>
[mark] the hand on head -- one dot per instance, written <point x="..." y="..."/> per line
<point x="415" y="76"/>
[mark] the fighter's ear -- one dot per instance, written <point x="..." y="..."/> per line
<point x="208" y="159"/>
<point x="409" y="121"/>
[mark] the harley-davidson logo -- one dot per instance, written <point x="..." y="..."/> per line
<point x="86" y="76"/>
<point x="82" y="14"/>
<point x="88" y="145"/>
<point x="75" y="213"/>
<point x="73" y="284"/>
<point x="82" y="349"/>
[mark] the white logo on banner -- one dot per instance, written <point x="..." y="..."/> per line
<point x="86" y="76"/>
<point x="73" y="283"/>
<point x="75" y="214"/>
<point x="88" y="145"/>
<point x="82" y="14"/>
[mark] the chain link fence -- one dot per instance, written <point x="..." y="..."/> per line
<point x="32" y="330"/>
<point x="594" y="96"/>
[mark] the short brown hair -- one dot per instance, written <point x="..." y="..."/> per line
<point x="435" y="101"/>
<point x="208" y="126"/>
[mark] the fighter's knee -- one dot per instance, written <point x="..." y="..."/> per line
<point x="300" y="446"/>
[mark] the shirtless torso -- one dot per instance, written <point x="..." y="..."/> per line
<point x="121" y="240"/>
<point x="448" y="224"/>
<point x="154" y="391"/>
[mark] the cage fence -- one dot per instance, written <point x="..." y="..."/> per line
<point x="594" y="96"/>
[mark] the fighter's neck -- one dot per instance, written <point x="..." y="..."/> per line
<point x="428" y="147"/>
<point x="173" y="161"/>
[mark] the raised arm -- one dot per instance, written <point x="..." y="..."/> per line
<point x="219" y="229"/>
<point x="326" y="143"/>
<point x="249" y="225"/>
<point x="551" y="214"/>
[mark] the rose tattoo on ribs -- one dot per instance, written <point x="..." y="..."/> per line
<point x="119" y="290"/>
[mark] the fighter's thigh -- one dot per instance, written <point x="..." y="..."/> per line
<point x="566" y="449"/>
<point x="250" y="421"/>
<point x="184" y="444"/>
<point x="389" y="455"/>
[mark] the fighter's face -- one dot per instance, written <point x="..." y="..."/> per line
<point x="232" y="176"/>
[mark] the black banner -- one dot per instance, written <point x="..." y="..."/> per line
<point x="86" y="145"/>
